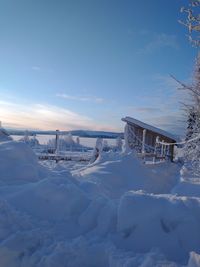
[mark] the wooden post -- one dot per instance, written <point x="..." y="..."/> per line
<point x="57" y="142"/>
<point x="155" y="149"/>
<point x="167" y="152"/>
<point x="162" y="148"/>
<point x="143" y="140"/>
<point x="172" y="153"/>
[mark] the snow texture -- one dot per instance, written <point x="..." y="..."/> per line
<point x="116" y="212"/>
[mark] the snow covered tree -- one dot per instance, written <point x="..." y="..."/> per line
<point x="99" y="144"/>
<point x="97" y="150"/>
<point x="192" y="22"/>
<point x="78" y="140"/>
<point x="192" y="145"/>
<point x="69" y="139"/>
<point x="119" y="143"/>
<point x="191" y="120"/>
<point x="26" y="137"/>
<point x="106" y="147"/>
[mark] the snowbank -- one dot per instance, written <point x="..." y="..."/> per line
<point x="188" y="184"/>
<point x="194" y="260"/>
<point x="170" y="223"/>
<point x="114" y="177"/>
<point x="4" y="136"/>
<point x="18" y="164"/>
<point x="52" y="199"/>
<point x="54" y="219"/>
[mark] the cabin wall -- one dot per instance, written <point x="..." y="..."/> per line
<point x="150" y="138"/>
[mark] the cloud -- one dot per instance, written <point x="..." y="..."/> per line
<point x="45" y="117"/>
<point x="164" y="114"/>
<point x="36" y="68"/>
<point x="144" y="109"/>
<point x="159" y="41"/>
<point x="93" y="99"/>
<point x="165" y="80"/>
<point x="41" y="70"/>
<point x="174" y="123"/>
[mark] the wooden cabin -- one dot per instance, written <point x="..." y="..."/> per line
<point x="147" y="139"/>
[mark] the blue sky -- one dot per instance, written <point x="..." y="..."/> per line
<point x="85" y="64"/>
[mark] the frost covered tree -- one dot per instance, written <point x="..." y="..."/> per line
<point x="106" y="147"/>
<point x="191" y="120"/>
<point x="192" y="21"/>
<point x="78" y="140"/>
<point x="192" y="145"/>
<point x="97" y="150"/>
<point x="119" y="143"/>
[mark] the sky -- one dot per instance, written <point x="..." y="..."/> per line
<point x="85" y="64"/>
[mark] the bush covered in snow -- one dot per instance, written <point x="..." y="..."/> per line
<point x="66" y="143"/>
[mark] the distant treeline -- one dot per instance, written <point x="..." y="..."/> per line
<point x="80" y="133"/>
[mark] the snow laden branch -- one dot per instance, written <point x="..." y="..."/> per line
<point x="184" y="86"/>
<point x="192" y="21"/>
<point x="191" y="145"/>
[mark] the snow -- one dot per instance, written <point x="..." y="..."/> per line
<point x="18" y="163"/>
<point x="115" y="177"/>
<point x="115" y="212"/>
<point x="189" y="185"/>
<point x="4" y="135"/>
<point x="168" y="222"/>
<point x="194" y="260"/>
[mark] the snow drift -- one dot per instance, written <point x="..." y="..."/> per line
<point x="167" y="222"/>
<point x="188" y="184"/>
<point x="113" y="177"/>
<point x="54" y="219"/>
<point x="18" y="164"/>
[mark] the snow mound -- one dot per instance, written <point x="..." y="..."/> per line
<point x="154" y="258"/>
<point x="194" y="260"/>
<point x="188" y="184"/>
<point x="4" y="136"/>
<point x="54" y="219"/>
<point x="18" y="164"/>
<point x="170" y="223"/>
<point x="52" y="199"/>
<point x="118" y="175"/>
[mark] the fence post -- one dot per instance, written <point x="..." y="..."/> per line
<point x="143" y="140"/>
<point x="57" y="142"/>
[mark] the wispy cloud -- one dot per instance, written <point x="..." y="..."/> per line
<point x="163" y="109"/>
<point x="162" y="116"/>
<point x="174" y="122"/>
<point x="144" y="109"/>
<point x="45" y="117"/>
<point x="93" y="99"/>
<point x="165" y="80"/>
<point x="36" y="68"/>
<point x="159" y="41"/>
<point x="41" y="69"/>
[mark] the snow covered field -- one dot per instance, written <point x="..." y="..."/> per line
<point x="116" y="212"/>
<point x="85" y="141"/>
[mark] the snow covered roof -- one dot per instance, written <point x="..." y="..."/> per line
<point x="149" y="127"/>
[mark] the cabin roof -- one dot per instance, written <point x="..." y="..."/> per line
<point x="150" y="128"/>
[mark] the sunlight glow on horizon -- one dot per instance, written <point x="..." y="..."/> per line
<point x="46" y="117"/>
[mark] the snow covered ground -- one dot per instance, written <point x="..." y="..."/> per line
<point x="116" y="212"/>
<point x="85" y="141"/>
